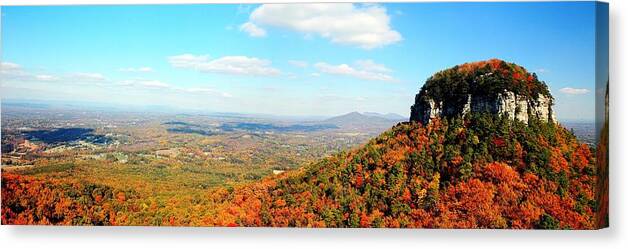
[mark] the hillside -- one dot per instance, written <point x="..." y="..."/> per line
<point x="482" y="150"/>
<point x="478" y="172"/>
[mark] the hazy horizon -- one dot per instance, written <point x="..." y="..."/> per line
<point x="94" y="106"/>
<point x="152" y="109"/>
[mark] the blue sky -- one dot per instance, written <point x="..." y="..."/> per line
<point x="289" y="59"/>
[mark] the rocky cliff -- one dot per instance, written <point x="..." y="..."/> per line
<point x="492" y="86"/>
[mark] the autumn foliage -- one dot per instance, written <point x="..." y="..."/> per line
<point x="477" y="172"/>
<point x="483" y="78"/>
<point x="480" y="172"/>
<point x="29" y="200"/>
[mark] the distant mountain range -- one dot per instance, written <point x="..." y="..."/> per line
<point x="356" y="120"/>
<point x="83" y="105"/>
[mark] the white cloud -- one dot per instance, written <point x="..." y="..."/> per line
<point x="17" y="75"/>
<point x="159" y="85"/>
<point x="12" y="71"/>
<point x="208" y="91"/>
<point x="240" y="65"/>
<point x="365" y="69"/>
<point x="45" y="77"/>
<point x="187" y="60"/>
<point x="366" y="26"/>
<point x="92" y="77"/>
<point x="20" y="76"/>
<point x="298" y="63"/>
<point x="136" y="70"/>
<point x="154" y="84"/>
<point x="9" y="66"/>
<point x="252" y="29"/>
<point x="574" y="91"/>
<point x="370" y="65"/>
<point x="315" y="74"/>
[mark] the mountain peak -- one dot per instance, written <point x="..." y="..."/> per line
<point x="493" y="86"/>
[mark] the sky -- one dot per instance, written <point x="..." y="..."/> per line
<point x="288" y="59"/>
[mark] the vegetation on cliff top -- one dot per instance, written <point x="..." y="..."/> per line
<point x="483" y="78"/>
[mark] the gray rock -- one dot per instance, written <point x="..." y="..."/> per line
<point x="506" y="103"/>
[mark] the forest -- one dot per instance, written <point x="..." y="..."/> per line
<point x="480" y="171"/>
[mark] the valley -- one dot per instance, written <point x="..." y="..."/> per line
<point x="198" y="151"/>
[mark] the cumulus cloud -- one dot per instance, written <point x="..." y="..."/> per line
<point x="252" y="29"/>
<point x="239" y="65"/>
<point x="136" y="70"/>
<point x="370" y="65"/>
<point x="574" y="91"/>
<point x="298" y="63"/>
<point x="364" y="69"/>
<point x="366" y="25"/>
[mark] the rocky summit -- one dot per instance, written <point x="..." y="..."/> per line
<point x="492" y="86"/>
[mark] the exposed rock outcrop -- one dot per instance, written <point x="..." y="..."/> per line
<point x="490" y="86"/>
<point x="513" y="106"/>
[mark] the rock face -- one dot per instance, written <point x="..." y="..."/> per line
<point x="513" y="106"/>
<point x="506" y="101"/>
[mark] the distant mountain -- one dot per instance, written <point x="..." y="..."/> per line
<point x="389" y="116"/>
<point x="362" y="121"/>
<point x="492" y="86"/>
